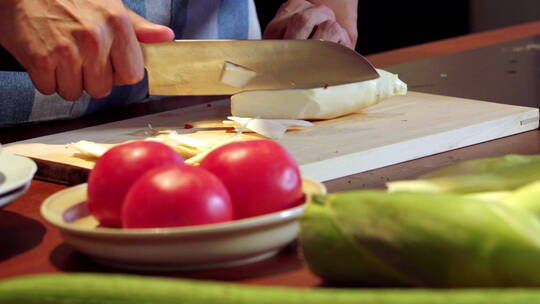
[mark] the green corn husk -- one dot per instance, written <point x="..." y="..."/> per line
<point x="492" y="196"/>
<point x="481" y="175"/>
<point x="526" y="197"/>
<point x="375" y="238"/>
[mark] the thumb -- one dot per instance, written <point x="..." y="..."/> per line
<point x="148" y="32"/>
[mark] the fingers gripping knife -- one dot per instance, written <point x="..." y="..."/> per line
<point x="194" y="67"/>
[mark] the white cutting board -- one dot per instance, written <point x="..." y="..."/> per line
<point x="396" y="130"/>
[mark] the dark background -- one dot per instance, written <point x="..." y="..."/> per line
<point x="386" y="25"/>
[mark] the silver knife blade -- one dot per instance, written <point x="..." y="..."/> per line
<point x="194" y="67"/>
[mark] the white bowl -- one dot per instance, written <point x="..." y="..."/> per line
<point x="171" y="249"/>
<point x="16" y="173"/>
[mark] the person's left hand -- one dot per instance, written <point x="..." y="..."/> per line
<point x="301" y="19"/>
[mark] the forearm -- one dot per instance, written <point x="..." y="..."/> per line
<point x="346" y="14"/>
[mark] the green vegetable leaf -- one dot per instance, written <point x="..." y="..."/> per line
<point x="482" y="175"/>
<point x="420" y="239"/>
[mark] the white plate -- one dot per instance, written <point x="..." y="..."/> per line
<point x="170" y="249"/>
<point x="14" y="194"/>
<point x="15" y="171"/>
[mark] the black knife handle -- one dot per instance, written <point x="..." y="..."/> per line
<point x="8" y="62"/>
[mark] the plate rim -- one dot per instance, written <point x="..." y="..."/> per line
<point x="225" y="227"/>
<point x="31" y="166"/>
<point x="14" y="194"/>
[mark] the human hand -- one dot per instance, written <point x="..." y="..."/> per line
<point x="301" y="19"/>
<point x="68" y="46"/>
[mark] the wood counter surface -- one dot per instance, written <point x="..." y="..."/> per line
<point x="28" y="245"/>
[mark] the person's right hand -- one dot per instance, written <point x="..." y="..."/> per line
<point x="68" y="46"/>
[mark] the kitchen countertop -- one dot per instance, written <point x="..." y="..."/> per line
<point x="29" y="245"/>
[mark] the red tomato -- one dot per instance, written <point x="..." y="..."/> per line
<point x="172" y="195"/>
<point x="115" y="172"/>
<point x="261" y="176"/>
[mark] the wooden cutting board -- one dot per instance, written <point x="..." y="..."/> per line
<point x="396" y="130"/>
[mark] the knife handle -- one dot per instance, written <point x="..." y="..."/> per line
<point x="8" y="62"/>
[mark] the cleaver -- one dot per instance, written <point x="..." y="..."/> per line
<point x="194" y="67"/>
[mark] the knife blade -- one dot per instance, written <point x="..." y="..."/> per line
<point x="194" y="67"/>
